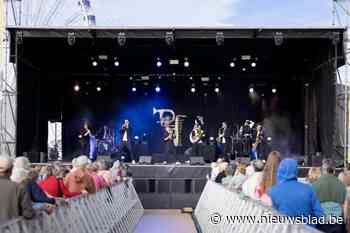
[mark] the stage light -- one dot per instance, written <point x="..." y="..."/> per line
<point x="211" y="139"/>
<point x="98" y="89"/>
<point x="121" y="39"/>
<point x="76" y="88"/>
<point x="116" y="63"/>
<point x="157" y="89"/>
<point x="71" y="38"/>
<point x="136" y="138"/>
<point x="269" y="139"/>
<point x="94" y="63"/>
<point x="251" y="90"/>
<point x="274" y="90"/>
<point x="244" y="69"/>
<point x="253" y="64"/>
<point x="193" y="89"/>
<point x="278" y="38"/>
<point x="169" y="38"/>
<point x="217" y="90"/>
<point x="232" y="64"/>
<point x="133" y="89"/>
<point x="220" y="38"/>
<point x="186" y="63"/>
<point x="159" y="63"/>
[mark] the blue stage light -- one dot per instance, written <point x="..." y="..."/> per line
<point x="159" y="63"/>
<point x="133" y="89"/>
<point x="157" y="89"/>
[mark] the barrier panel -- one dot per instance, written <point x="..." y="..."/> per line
<point x="217" y="204"/>
<point x="115" y="209"/>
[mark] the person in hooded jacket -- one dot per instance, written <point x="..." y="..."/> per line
<point x="293" y="198"/>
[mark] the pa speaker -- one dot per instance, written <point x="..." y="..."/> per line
<point x="145" y="159"/>
<point x="197" y="160"/>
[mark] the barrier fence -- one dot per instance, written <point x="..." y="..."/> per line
<point x="115" y="209"/>
<point x="219" y="210"/>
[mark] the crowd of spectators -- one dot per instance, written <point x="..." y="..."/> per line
<point x="275" y="183"/>
<point x="26" y="190"/>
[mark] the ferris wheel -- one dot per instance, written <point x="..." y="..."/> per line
<point x="38" y="13"/>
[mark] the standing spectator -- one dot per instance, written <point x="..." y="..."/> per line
<point x="222" y="172"/>
<point x="79" y="180"/>
<point x="269" y="177"/>
<point x="332" y="195"/>
<point x="98" y="180"/>
<point x="344" y="177"/>
<point x="229" y="175"/>
<point x="14" y="200"/>
<point x="22" y="162"/>
<point x="238" y="179"/>
<point x="250" y="185"/>
<point x="106" y="174"/>
<point x="293" y="198"/>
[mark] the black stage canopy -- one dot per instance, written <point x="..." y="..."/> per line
<point x="299" y="63"/>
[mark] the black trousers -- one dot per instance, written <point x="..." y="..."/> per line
<point x="169" y="151"/>
<point x="126" y="147"/>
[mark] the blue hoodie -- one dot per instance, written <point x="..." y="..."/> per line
<point x="290" y="197"/>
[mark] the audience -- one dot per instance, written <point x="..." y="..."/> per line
<point x="14" y="199"/>
<point x="251" y="184"/>
<point x="78" y="180"/>
<point x="230" y="172"/>
<point x="293" y="198"/>
<point x="313" y="174"/>
<point x="332" y="194"/>
<point x="238" y="179"/>
<point x="99" y="181"/>
<point x="269" y="177"/>
<point x="223" y="166"/>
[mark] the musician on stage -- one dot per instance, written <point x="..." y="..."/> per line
<point x="197" y="136"/>
<point x="223" y="140"/>
<point x="258" y="145"/>
<point x="169" y="147"/>
<point x="88" y="141"/>
<point x="126" y="140"/>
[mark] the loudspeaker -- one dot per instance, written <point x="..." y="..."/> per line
<point x="145" y="159"/>
<point x="197" y="160"/>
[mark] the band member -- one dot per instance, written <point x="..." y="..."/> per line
<point x="257" y="146"/>
<point x="88" y="142"/>
<point x="223" y="140"/>
<point x="126" y="140"/>
<point x="196" y="137"/>
<point x="169" y="147"/>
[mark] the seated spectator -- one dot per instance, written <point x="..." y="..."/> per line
<point x="27" y="179"/>
<point x="268" y="177"/>
<point x="332" y="195"/>
<point x="238" y="179"/>
<point x="222" y="172"/>
<point x="313" y="174"/>
<point x="14" y="199"/>
<point x="92" y="170"/>
<point x="293" y="198"/>
<point x="54" y="186"/>
<point x="231" y="169"/>
<point x="104" y="172"/>
<point x="250" y="185"/>
<point x="79" y="180"/>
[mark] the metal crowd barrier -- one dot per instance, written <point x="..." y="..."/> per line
<point x="217" y="202"/>
<point x="116" y="209"/>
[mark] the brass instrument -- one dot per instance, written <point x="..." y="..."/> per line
<point x="221" y="135"/>
<point x="196" y="134"/>
<point x="177" y="119"/>
<point x="258" y="138"/>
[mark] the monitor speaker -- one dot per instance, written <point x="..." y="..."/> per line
<point x="197" y="160"/>
<point x="145" y="159"/>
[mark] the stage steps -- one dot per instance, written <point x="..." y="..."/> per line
<point x="165" y="221"/>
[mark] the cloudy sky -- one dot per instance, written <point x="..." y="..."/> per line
<point x="252" y="13"/>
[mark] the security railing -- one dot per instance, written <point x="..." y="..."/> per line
<point x="114" y="209"/>
<point x="220" y="210"/>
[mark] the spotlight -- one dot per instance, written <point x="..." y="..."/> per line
<point x="169" y="38"/>
<point x="121" y="39"/>
<point x="157" y="89"/>
<point x="71" y="38"/>
<point x="159" y="63"/>
<point x="269" y="139"/>
<point x="211" y="139"/>
<point x="136" y="138"/>
<point x="253" y="64"/>
<point x="244" y="69"/>
<point x="274" y="90"/>
<point x="186" y="63"/>
<point x="278" y="37"/>
<point x="251" y="90"/>
<point x="116" y="63"/>
<point x="76" y="88"/>
<point x="98" y="89"/>
<point x="220" y="38"/>
<point x="217" y="90"/>
<point x="193" y="89"/>
<point x="232" y="64"/>
<point x="94" y="63"/>
<point x="133" y="89"/>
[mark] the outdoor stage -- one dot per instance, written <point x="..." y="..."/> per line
<point x="282" y="78"/>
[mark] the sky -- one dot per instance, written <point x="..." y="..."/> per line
<point x="244" y="13"/>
